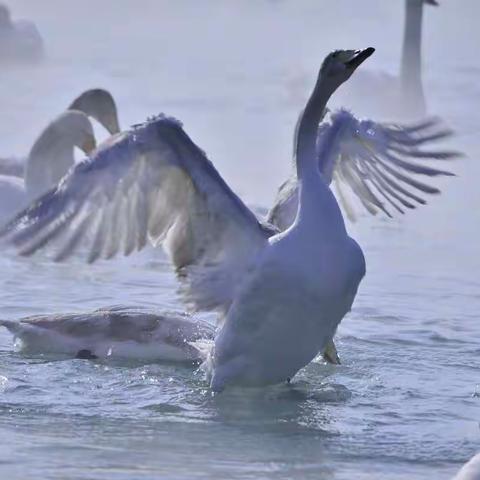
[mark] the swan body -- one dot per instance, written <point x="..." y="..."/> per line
<point x="114" y="332"/>
<point x="19" y="40"/>
<point x="49" y="159"/>
<point x="471" y="470"/>
<point x="152" y="184"/>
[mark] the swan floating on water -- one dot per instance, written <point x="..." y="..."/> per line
<point x="49" y="159"/>
<point x="96" y="103"/>
<point x="20" y="40"/>
<point x="279" y="296"/>
<point x="114" y="332"/>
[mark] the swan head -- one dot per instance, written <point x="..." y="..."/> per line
<point x="339" y="65"/>
<point x="100" y="105"/>
<point x="74" y="127"/>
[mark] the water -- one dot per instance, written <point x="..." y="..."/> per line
<point x="405" y="402"/>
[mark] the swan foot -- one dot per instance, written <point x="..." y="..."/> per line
<point x="330" y="354"/>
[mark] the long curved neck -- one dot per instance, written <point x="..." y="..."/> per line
<point x="307" y="130"/>
<point x="317" y="205"/>
<point x="411" y="69"/>
<point x="49" y="160"/>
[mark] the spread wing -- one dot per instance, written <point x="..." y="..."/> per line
<point x="379" y="163"/>
<point x="151" y="184"/>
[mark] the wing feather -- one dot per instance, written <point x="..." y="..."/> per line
<point x="150" y="184"/>
<point x="373" y="159"/>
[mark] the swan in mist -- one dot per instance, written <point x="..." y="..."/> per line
<point x="19" y="40"/>
<point x="471" y="470"/>
<point x="399" y="98"/>
<point x="49" y="159"/>
<point x="279" y="296"/>
<point x="96" y="103"/>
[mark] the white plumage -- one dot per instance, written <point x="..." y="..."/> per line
<point x="471" y="470"/>
<point x="280" y="296"/>
<point x="113" y="332"/>
<point x="49" y="159"/>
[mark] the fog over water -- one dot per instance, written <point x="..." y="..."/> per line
<point x="405" y="403"/>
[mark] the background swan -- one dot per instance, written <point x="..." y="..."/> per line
<point x="99" y="104"/>
<point x="154" y="184"/>
<point x="96" y="103"/>
<point x="390" y="97"/>
<point x="49" y="159"/>
<point x="20" y="40"/>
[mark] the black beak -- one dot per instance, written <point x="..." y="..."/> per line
<point x="359" y="58"/>
<point x="432" y="2"/>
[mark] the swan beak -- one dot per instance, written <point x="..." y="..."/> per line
<point x="89" y="145"/>
<point x="359" y="57"/>
<point x="432" y="2"/>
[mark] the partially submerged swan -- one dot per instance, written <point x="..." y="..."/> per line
<point x="20" y="40"/>
<point x="49" y="159"/>
<point x="96" y="103"/>
<point x="114" y="332"/>
<point x="280" y="296"/>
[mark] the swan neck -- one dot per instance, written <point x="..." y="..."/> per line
<point x="317" y="207"/>
<point x="307" y="130"/>
<point x="49" y="160"/>
<point x="411" y="75"/>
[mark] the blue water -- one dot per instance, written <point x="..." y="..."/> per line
<point x="405" y="403"/>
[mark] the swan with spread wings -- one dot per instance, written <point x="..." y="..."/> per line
<point x="279" y="295"/>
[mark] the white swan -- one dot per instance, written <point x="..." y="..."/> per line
<point x="113" y="332"/>
<point x="290" y="289"/>
<point x="96" y="103"/>
<point x="49" y="159"/>
<point x="471" y="470"/>
<point x="396" y="98"/>
<point x="99" y="104"/>
<point x="19" y="40"/>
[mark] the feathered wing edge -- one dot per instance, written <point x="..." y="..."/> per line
<point x="153" y="184"/>
<point x="380" y="163"/>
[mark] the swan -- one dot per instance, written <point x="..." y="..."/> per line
<point x="471" y="470"/>
<point x="114" y="332"/>
<point x="49" y="159"/>
<point x="19" y="40"/>
<point x="153" y="184"/>
<point x="96" y="103"/>
<point x="99" y="104"/>
<point x="396" y="98"/>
